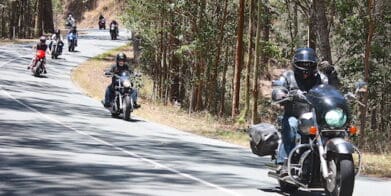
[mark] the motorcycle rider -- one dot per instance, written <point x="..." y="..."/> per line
<point x="305" y="75"/>
<point x="71" y="21"/>
<point x="56" y="37"/>
<point x="114" y="22"/>
<point x="102" y="21"/>
<point x="116" y="69"/>
<point x="74" y="31"/>
<point x="41" y="45"/>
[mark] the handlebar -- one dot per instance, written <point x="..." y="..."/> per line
<point x="294" y="94"/>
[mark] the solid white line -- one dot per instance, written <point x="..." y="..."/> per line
<point x="154" y="163"/>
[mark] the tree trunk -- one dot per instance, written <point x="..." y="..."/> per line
<point x="323" y="31"/>
<point x="3" y="22"/>
<point x="367" y="56"/>
<point x="312" y="26"/>
<point x="213" y="87"/>
<point x="249" y="60"/>
<point x="238" y="60"/>
<point x="48" y="16"/>
<point x="254" y="116"/>
<point x="38" y="19"/>
<point x="224" y="81"/>
<point x="265" y="36"/>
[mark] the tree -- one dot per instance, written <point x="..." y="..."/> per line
<point x="254" y="116"/>
<point x="249" y="60"/>
<point x="238" y="60"/>
<point x="367" y="67"/>
<point x="322" y="30"/>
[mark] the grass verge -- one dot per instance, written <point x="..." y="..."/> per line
<point x="16" y="41"/>
<point x="89" y="76"/>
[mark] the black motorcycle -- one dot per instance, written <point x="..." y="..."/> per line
<point x="122" y="102"/>
<point x="56" y="48"/>
<point x="72" y="41"/>
<point x="113" y="31"/>
<point x="322" y="157"/>
<point x="102" y="24"/>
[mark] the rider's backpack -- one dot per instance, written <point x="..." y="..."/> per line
<point x="263" y="139"/>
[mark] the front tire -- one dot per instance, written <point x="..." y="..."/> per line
<point x="342" y="178"/>
<point x="287" y="187"/>
<point x="127" y="104"/>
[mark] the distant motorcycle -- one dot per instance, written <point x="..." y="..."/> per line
<point x="113" y="31"/>
<point x="72" y="39"/>
<point x="122" y="102"/>
<point x="102" y="24"/>
<point x="56" y="48"/>
<point x="39" y="66"/>
<point x="323" y="155"/>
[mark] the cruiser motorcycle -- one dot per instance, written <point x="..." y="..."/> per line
<point x="323" y="155"/>
<point x="122" y="102"/>
<point x="113" y="31"/>
<point x="56" y="48"/>
<point x="39" y="63"/>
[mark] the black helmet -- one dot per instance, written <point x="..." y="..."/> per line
<point x="57" y="32"/>
<point x="305" y="61"/>
<point x="42" y="39"/>
<point x="120" y="57"/>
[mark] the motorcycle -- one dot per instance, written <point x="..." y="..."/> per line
<point x="323" y="155"/>
<point x="72" y="39"/>
<point x="39" y="61"/>
<point x="56" y="48"/>
<point x="102" y="24"/>
<point x="122" y="102"/>
<point x="113" y="31"/>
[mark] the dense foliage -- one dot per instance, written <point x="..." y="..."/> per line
<point x="190" y="50"/>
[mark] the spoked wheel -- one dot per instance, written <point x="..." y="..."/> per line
<point x="341" y="182"/>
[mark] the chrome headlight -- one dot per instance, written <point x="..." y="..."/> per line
<point x="126" y="83"/>
<point x="335" y="118"/>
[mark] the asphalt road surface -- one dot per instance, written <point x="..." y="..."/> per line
<point x="54" y="140"/>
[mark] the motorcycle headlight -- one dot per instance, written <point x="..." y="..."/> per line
<point x="335" y="118"/>
<point x="126" y="83"/>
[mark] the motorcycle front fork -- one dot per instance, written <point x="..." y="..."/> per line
<point x="322" y="156"/>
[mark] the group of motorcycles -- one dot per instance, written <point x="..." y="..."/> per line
<point x="56" y="49"/>
<point x="113" y="28"/>
<point x="323" y="154"/>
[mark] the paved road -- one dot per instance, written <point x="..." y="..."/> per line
<point x="54" y="140"/>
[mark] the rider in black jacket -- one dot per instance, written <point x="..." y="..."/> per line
<point x="305" y="75"/>
<point x="116" y="69"/>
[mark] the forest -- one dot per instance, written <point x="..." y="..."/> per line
<point x="215" y="56"/>
<point x="220" y="56"/>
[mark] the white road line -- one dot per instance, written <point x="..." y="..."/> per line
<point x="154" y="163"/>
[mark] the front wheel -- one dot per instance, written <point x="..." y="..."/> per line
<point x="341" y="182"/>
<point x="127" y="104"/>
<point x="287" y="187"/>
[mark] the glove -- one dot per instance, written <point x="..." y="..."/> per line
<point x="279" y="93"/>
<point x="297" y="94"/>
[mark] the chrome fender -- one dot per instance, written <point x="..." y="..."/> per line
<point x="340" y="146"/>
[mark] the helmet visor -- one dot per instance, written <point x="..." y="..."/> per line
<point x="305" y="66"/>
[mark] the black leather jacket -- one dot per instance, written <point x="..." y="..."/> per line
<point x="292" y="81"/>
<point x="116" y="69"/>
